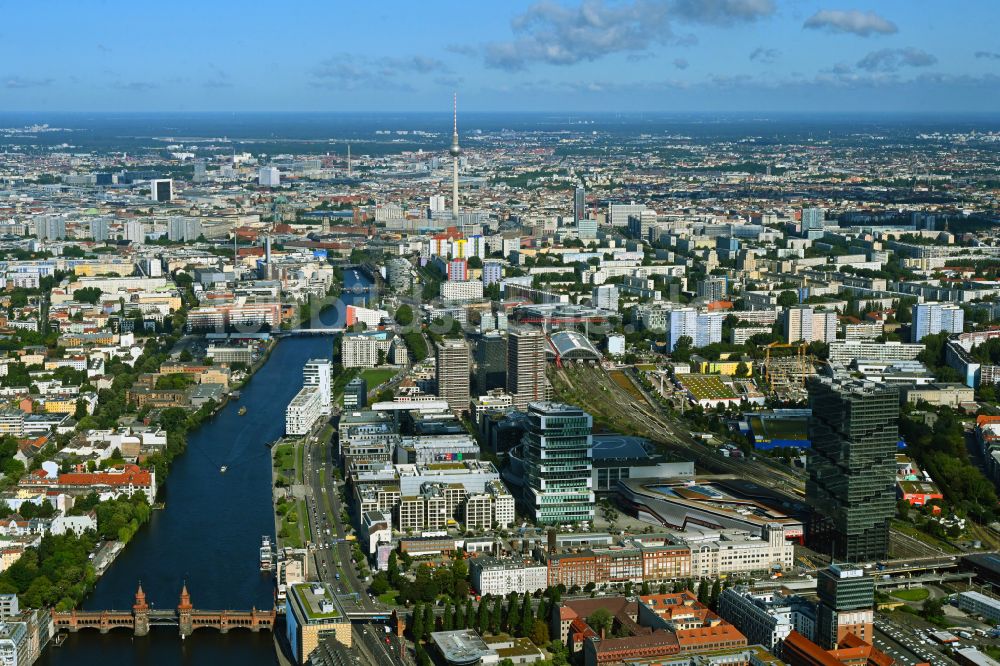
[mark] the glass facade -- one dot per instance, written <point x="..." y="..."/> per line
<point x="851" y="486"/>
<point x="558" y="455"/>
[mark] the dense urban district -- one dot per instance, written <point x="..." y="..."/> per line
<point x="600" y="393"/>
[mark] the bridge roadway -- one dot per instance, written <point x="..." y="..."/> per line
<point x="185" y="617"/>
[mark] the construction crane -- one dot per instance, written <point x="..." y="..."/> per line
<point x="775" y="373"/>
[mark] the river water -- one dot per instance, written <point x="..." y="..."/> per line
<point x="209" y="533"/>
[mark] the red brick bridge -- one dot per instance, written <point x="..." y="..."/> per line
<point x="185" y="617"/>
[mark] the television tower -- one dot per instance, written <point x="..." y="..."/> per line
<point x="455" y="151"/>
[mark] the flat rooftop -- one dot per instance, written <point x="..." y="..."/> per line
<point x="316" y="601"/>
<point x="610" y="447"/>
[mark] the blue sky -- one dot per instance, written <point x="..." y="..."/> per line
<point x="510" y="55"/>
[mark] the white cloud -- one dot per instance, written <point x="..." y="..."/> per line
<point x="864" y="24"/>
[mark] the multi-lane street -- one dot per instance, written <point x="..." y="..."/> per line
<point x="331" y="550"/>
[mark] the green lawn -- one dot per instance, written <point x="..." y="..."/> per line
<point x="911" y="594"/>
<point x="375" y="376"/>
<point x="389" y="598"/>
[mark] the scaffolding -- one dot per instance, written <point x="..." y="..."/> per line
<point x="790" y="371"/>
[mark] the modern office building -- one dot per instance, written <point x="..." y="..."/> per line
<point x="268" y="176"/>
<point x="933" y="318"/>
<point x="452" y="373"/>
<point x="579" y="203"/>
<point x="703" y="328"/>
<point x="586" y="229"/>
<point x="491" y="362"/>
<point x="317" y="373"/>
<point x="558" y="459"/>
<point x="161" y="190"/>
<point x="526" y="381"/>
<point x="852" y="466"/>
<point x="356" y="394"/>
<point x="846" y="605"/>
<point x="313" y="612"/>
<point x="399" y="273"/>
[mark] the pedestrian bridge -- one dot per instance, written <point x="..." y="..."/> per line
<point x="185" y="617"/>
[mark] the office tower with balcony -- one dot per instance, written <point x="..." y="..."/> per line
<point x="558" y="459"/>
<point x="852" y="466"/>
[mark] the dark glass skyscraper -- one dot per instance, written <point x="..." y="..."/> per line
<point x="579" y="203"/>
<point x="852" y="465"/>
<point x="491" y="362"/>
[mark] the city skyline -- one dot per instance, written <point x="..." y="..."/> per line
<point x="583" y="55"/>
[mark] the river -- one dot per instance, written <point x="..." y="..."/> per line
<point x="209" y="533"/>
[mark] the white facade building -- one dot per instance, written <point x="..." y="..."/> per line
<point x="303" y="411"/>
<point x="494" y="576"/>
<point x="268" y="176"/>
<point x="317" y="373"/>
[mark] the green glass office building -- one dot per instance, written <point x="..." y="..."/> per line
<point x="852" y="466"/>
<point x="558" y="460"/>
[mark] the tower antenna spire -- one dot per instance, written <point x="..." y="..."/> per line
<point x="455" y="151"/>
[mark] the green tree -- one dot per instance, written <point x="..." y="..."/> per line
<point x="496" y="617"/>
<point x="713" y="599"/>
<point x="788" y="298"/>
<point x="447" y="619"/>
<point x="483" y="615"/>
<point x="428" y="623"/>
<point x="539" y="633"/>
<point x="527" y="620"/>
<point x="601" y="621"/>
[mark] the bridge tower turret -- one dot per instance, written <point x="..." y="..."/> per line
<point x="140" y="613"/>
<point x="184" y="609"/>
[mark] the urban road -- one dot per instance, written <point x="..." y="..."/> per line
<point x="332" y="553"/>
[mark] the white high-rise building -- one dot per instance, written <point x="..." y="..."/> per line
<point x="437" y="203"/>
<point x="134" y="231"/>
<point x="704" y="328"/>
<point x="99" y="230"/>
<point x="268" y="176"/>
<point x="932" y="318"/>
<point x="605" y="297"/>
<point x="802" y="323"/>
<point x="317" y="373"/>
<point x="618" y="214"/>
<point x="50" y="227"/>
<point x="303" y="411"/>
